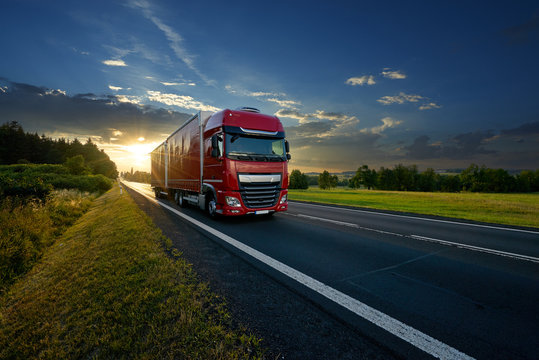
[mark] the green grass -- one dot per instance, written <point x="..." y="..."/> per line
<point x="107" y="289"/>
<point x="509" y="209"/>
<point x="29" y="226"/>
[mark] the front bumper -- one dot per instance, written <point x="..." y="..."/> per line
<point x="224" y="209"/>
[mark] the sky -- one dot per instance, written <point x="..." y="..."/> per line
<point x="436" y="84"/>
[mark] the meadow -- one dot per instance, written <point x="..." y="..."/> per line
<point x="507" y="209"/>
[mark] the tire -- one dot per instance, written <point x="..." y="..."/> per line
<point x="211" y="206"/>
<point x="181" y="201"/>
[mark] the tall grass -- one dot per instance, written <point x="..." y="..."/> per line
<point x="28" y="226"/>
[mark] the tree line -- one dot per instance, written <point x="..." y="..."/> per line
<point x="408" y="178"/>
<point x="20" y="147"/>
<point x="137" y="176"/>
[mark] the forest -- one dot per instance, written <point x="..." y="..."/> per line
<point x="20" y="147"/>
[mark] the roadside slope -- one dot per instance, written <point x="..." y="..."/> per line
<point x="107" y="288"/>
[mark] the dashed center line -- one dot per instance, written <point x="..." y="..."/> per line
<point x="425" y="238"/>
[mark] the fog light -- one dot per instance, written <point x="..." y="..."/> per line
<point x="283" y="199"/>
<point x="232" y="201"/>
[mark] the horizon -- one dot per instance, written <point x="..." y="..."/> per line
<point x="353" y="84"/>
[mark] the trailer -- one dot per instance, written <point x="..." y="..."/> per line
<point x="232" y="162"/>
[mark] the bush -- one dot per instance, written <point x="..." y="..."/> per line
<point x="24" y="186"/>
<point x="39" y="180"/>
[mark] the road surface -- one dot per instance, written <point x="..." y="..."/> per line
<point x="419" y="286"/>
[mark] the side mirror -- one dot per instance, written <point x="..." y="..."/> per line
<point x="214" y="142"/>
<point x="287" y="146"/>
<point x="288" y="157"/>
<point x="215" y="153"/>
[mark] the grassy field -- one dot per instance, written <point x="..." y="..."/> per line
<point x="107" y="289"/>
<point x="509" y="209"/>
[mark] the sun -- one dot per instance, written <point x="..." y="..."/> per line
<point x="139" y="154"/>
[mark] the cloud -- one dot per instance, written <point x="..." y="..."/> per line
<point x="177" y="83"/>
<point x="129" y="99"/>
<point x="232" y="90"/>
<point x="183" y="101"/>
<point x="273" y="97"/>
<point x="316" y="116"/>
<point x="387" y="123"/>
<point x="429" y="106"/>
<point x="174" y="38"/>
<point x="114" y="63"/>
<point x="523" y="33"/>
<point x="463" y="146"/>
<point x="55" y="92"/>
<point x="362" y="80"/>
<point x="115" y="88"/>
<point x="394" y="75"/>
<point x="290" y="104"/>
<point x="399" y="99"/>
<point x="103" y="117"/>
<point x="527" y="129"/>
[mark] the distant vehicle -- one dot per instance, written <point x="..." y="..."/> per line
<point x="232" y="162"/>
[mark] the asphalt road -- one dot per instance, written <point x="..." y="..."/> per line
<point x="415" y="285"/>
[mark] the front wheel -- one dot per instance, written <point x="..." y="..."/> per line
<point x="211" y="206"/>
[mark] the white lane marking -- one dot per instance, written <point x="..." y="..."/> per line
<point x="407" y="333"/>
<point x="424" y="238"/>
<point x="477" y="248"/>
<point x="343" y="223"/>
<point x="418" y="218"/>
<point x="327" y="220"/>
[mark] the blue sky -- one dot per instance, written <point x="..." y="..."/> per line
<point x="434" y="84"/>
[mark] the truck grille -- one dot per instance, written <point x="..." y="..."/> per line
<point x="260" y="194"/>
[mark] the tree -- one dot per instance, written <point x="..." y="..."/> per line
<point x="364" y="176"/>
<point x="17" y="146"/>
<point x="76" y="165"/>
<point x="298" y="180"/>
<point x="428" y="180"/>
<point x="325" y="180"/>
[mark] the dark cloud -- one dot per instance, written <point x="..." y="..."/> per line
<point x="528" y="129"/>
<point x="50" y="111"/>
<point x="309" y="129"/>
<point x="462" y="146"/>
<point x="522" y="33"/>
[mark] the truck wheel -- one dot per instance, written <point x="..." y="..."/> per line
<point x="211" y="206"/>
<point x="181" y="200"/>
<point x="156" y="190"/>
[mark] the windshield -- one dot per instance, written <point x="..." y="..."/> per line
<point x="240" y="147"/>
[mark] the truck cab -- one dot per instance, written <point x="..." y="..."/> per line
<point x="245" y="163"/>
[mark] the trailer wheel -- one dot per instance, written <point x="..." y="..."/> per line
<point x="211" y="206"/>
<point x="181" y="201"/>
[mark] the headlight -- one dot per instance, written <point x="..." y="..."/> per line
<point x="283" y="199"/>
<point x="232" y="201"/>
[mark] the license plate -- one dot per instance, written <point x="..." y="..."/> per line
<point x="262" y="212"/>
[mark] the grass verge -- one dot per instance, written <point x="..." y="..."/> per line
<point x="29" y="226"/>
<point x="508" y="209"/>
<point x="107" y="289"/>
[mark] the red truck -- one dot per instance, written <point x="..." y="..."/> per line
<point x="232" y="162"/>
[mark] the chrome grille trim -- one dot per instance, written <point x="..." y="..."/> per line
<point x="259" y="190"/>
